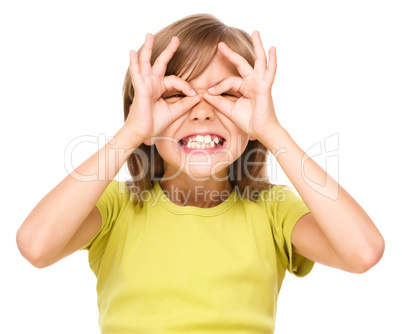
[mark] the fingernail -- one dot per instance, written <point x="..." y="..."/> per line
<point x="193" y="92"/>
<point x="172" y="39"/>
<point x="211" y="89"/>
<point x="223" y="44"/>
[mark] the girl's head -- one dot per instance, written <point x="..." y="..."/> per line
<point x="199" y="36"/>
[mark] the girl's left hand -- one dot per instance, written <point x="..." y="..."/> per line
<point x="254" y="111"/>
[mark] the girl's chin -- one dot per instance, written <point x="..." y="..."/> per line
<point x="197" y="173"/>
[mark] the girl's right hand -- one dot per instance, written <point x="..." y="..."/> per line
<point x="149" y="113"/>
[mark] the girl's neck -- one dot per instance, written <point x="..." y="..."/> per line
<point x="185" y="191"/>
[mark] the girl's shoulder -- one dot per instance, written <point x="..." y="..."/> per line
<point x="274" y="193"/>
<point x="116" y="194"/>
<point x="278" y="200"/>
<point x="271" y="193"/>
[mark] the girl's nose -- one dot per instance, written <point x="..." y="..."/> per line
<point x="202" y="111"/>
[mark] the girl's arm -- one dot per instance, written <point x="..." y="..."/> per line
<point x="338" y="232"/>
<point x="66" y="218"/>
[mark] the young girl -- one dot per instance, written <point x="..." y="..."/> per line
<point x="199" y="240"/>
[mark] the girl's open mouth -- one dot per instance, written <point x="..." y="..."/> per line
<point x="209" y="142"/>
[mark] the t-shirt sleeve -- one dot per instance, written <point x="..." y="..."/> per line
<point x="288" y="208"/>
<point x="110" y="204"/>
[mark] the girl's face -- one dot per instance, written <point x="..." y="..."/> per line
<point x="203" y="142"/>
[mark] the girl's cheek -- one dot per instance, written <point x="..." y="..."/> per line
<point x="244" y="139"/>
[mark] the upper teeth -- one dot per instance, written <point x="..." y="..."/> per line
<point x="200" y="141"/>
<point x="203" y="139"/>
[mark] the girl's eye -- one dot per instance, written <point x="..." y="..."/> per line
<point x="173" y="96"/>
<point x="228" y="94"/>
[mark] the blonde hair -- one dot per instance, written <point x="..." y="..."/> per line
<point x="199" y="36"/>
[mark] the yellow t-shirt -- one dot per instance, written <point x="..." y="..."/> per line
<point x="166" y="268"/>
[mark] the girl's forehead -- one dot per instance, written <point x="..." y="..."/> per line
<point x="218" y="69"/>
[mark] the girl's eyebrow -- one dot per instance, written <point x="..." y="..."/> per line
<point x="218" y="82"/>
<point x="215" y="83"/>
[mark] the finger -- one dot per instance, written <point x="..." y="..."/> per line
<point x="224" y="105"/>
<point x="172" y="82"/>
<point x="162" y="61"/>
<point x="229" y="84"/>
<point x="146" y="53"/>
<point x="241" y="64"/>
<point x="272" y="62"/>
<point x="134" y="68"/>
<point x="180" y="107"/>
<point x="260" y="57"/>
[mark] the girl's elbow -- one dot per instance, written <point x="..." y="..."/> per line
<point x="371" y="256"/>
<point x="30" y="251"/>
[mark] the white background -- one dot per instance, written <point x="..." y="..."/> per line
<point x="339" y="76"/>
